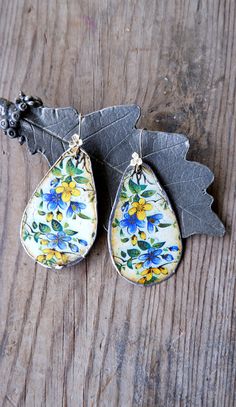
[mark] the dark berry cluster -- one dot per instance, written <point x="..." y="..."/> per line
<point x="10" y="113"/>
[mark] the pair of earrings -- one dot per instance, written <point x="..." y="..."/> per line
<point x="59" y="224"/>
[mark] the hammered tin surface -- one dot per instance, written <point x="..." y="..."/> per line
<point x="59" y="223"/>
<point x="144" y="236"/>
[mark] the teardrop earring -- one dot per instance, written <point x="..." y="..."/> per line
<point x="59" y="224"/>
<point x="143" y="235"/>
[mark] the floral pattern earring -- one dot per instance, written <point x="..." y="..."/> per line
<point x="59" y="224"/>
<point x="143" y="234"/>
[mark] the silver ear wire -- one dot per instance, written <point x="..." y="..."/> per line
<point x="136" y="160"/>
<point x="140" y="142"/>
<point x="80" y="119"/>
<point x="76" y="140"/>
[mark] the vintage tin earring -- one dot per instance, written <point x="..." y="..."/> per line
<point x="59" y="223"/>
<point x="143" y="234"/>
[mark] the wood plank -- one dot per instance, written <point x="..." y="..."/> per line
<point x="84" y="336"/>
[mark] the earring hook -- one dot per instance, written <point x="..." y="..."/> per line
<point x="76" y="140"/>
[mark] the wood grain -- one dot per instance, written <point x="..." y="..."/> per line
<point x="84" y="336"/>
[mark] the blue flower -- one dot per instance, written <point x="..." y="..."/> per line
<point x="55" y="182"/>
<point x="173" y="248"/>
<point x="54" y="200"/>
<point x="83" y="242"/>
<point x="125" y="206"/>
<point x="153" y="220"/>
<point x="73" y="247"/>
<point x="151" y="257"/>
<point x="58" y="240"/>
<point x="132" y="223"/>
<point x="167" y="257"/>
<point x="75" y="207"/>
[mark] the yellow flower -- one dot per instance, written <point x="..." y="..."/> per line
<point x="143" y="235"/>
<point x="64" y="259"/>
<point x="50" y="253"/>
<point x="138" y="265"/>
<point x="148" y="273"/>
<point x="134" y="240"/>
<point x="163" y="270"/>
<point x="142" y="280"/>
<point x="44" y="241"/>
<point x="140" y="208"/>
<point x="59" y="216"/>
<point x="41" y="258"/>
<point x="49" y="216"/>
<point x="61" y="257"/>
<point x="67" y="190"/>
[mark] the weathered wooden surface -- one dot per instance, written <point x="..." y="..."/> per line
<point x="84" y="336"/>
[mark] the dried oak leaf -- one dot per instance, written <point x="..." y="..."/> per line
<point x="110" y="137"/>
